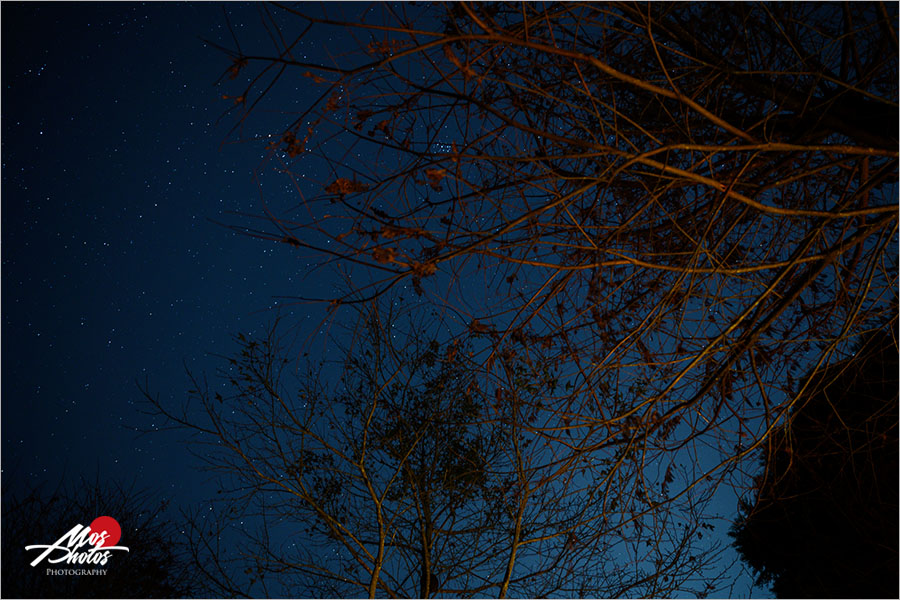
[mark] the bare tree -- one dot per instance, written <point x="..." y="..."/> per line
<point x="410" y="475"/>
<point x="678" y="209"/>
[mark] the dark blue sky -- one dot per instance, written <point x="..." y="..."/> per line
<point x="113" y="271"/>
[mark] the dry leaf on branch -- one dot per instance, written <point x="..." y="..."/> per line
<point x="434" y="178"/>
<point x="346" y="186"/>
<point x="386" y="47"/>
<point x="467" y="72"/>
<point x="361" y="117"/>
<point x="334" y="102"/>
<point x="237" y="63"/>
<point x="477" y="327"/>
<point x="423" y="269"/>
<point x="383" y="255"/>
<point x="314" y="77"/>
<point x="391" y="232"/>
<point x="293" y="146"/>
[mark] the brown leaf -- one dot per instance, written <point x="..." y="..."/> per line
<point x="237" y="63"/>
<point x="384" y="127"/>
<point x="467" y="72"/>
<point x="670" y="477"/>
<point x="391" y="232"/>
<point x="315" y="77"/>
<point x="383" y="255"/>
<point x="423" y="269"/>
<point x="386" y="47"/>
<point x="294" y="147"/>
<point x="434" y="178"/>
<point x="334" y="102"/>
<point x="645" y="352"/>
<point x="477" y="327"/>
<point x="345" y="186"/>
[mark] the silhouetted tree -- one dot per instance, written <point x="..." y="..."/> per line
<point x="156" y="565"/>
<point x="824" y="522"/>
<point x="403" y="471"/>
<point x="679" y="209"/>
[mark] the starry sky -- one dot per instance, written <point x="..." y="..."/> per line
<point x="115" y="266"/>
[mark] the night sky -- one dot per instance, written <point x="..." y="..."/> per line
<point x="116" y="269"/>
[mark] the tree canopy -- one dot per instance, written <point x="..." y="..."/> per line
<point x="673" y="212"/>
<point x="402" y="472"/>
<point x="825" y="518"/>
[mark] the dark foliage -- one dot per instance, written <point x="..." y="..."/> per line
<point x="825" y="521"/>
<point x="152" y="568"/>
